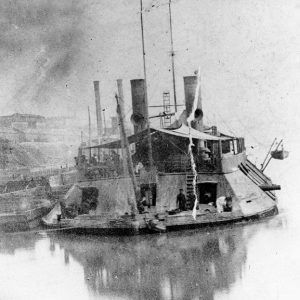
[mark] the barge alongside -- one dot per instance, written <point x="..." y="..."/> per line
<point x="23" y="210"/>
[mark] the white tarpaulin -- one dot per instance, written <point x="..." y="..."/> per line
<point x="184" y="131"/>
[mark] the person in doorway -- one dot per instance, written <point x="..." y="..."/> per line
<point x="207" y="198"/>
<point x="148" y="197"/>
<point x="141" y="204"/>
<point x="228" y="204"/>
<point x="181" y="200"/>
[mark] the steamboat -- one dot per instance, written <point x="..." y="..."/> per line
<point x="131" y="191"/>
<point x="176" y="176"/>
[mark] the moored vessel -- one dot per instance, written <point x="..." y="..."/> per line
<point x="132" y="185"/>
<point x="107" y="200"/>
<point x="24" y="209"/>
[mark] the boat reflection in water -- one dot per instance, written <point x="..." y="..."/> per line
<point x="181" y="265"/>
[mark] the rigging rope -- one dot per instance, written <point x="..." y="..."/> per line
<point x="189" y="120"/>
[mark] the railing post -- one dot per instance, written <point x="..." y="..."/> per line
<point x="220" y="155"/>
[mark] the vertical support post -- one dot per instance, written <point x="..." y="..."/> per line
<point x="271" y="156"/>
<point x="90" y="133"/>
<point x="129" y="160"/>
<point x="262" y="165"/>
<point x="104" y="133"/>
<point x="172" y="56"/>
<point x="146" y="94"/>
<point x="220" y="155"/>
<point x="121" y="104"/>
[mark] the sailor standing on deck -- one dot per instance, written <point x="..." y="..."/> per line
<point x="181" y="201"/>
<point x="224" y="204"/>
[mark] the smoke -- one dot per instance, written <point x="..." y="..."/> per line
<point x="42" y="39"/>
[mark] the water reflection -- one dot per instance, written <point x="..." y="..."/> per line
<point x="9" y="243"/>
<point x="185" y="265"/>
<point x="182" y="265"/>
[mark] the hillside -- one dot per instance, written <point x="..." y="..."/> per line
<point x="16" y="156"/>
<point x="29" y="155"/>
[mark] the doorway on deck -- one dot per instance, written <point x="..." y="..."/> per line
<point x="207" y="192"/>
<point x="89" y="200"/>
<point x="148" y="192"/>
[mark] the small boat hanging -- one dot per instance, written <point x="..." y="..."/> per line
<point x="276" y="154"/>
<point x="280" y="154"/>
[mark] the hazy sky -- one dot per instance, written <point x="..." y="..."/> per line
<point x="249" y="51"/>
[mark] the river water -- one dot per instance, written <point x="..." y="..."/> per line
<point x="251" y="261"/>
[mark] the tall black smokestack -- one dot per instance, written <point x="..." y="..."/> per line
<point x="139" y="107"/>
<point x="98" y="110"/>
<point x="190" y="86"/>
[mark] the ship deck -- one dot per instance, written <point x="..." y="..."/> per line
<point x="139" y="224"/>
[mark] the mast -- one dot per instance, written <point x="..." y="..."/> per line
<point x="172" y="56"/>
<point x="128" y="154"/>
<point x="150" y="156"/>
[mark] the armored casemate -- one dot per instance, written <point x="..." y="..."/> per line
<point x="107" y="199"/>
<point x="133" y="184"/>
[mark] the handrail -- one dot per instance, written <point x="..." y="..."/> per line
<point x="175" y="164"/>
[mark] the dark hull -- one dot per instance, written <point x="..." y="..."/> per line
<point x="131" y="230"/>
<point x="269" y="213"/>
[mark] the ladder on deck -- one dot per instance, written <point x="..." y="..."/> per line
<point x="189" y="187"/>
<point x="189" y="183"/>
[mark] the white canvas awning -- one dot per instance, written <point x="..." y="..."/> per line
<point x="183" y="131"/>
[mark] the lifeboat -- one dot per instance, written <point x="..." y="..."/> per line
<point x="280" y="154"/>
